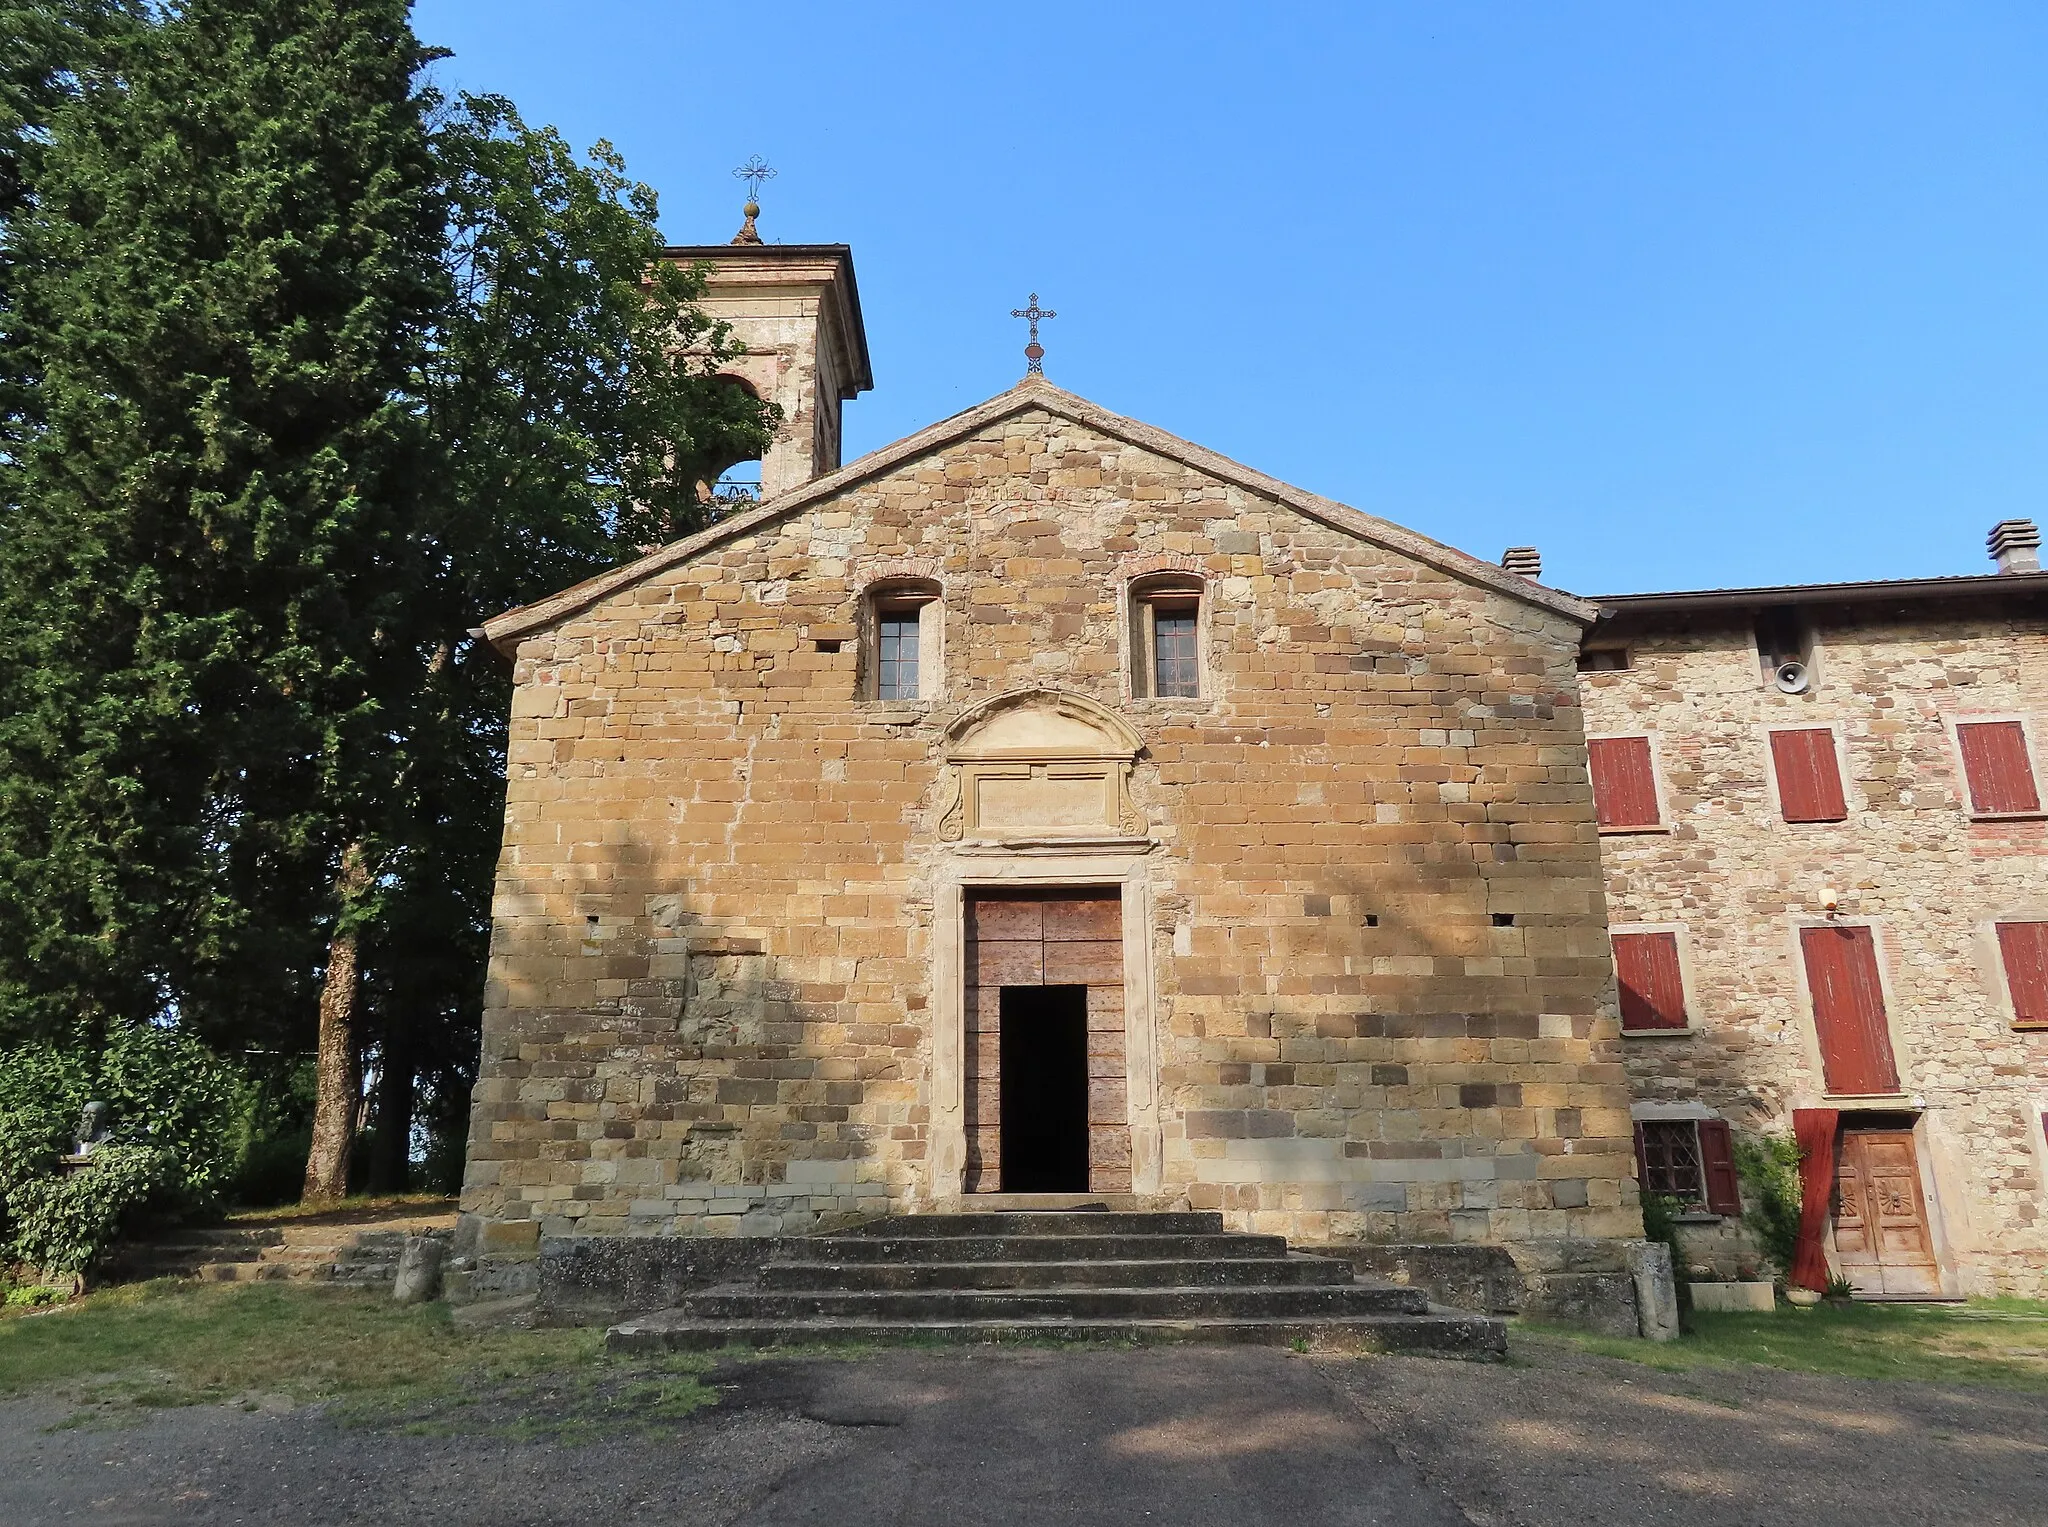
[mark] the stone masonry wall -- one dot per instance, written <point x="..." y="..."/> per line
<point x="1908" y="861"/>
<point x="1383" y="997"/>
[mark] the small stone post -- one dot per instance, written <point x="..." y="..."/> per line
<point x="1649" y="1266"/>
<point x="419" y="1269"/>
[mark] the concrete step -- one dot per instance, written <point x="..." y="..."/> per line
<point x="1311" y="1302"/>
<point x="1044" y="1222"/>
<point x="243" y="1272"/>
<point x="1444" y="1332"/>
<point x="359" y="1272"/>
<point x="993" y="1203"/>
<point x="1038" y="1248"/>
<point x="1264" y="1272"/>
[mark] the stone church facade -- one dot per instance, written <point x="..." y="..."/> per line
<point x="1046" y="804"/>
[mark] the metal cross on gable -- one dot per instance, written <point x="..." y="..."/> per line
<point x="753" y="172"/>
<point x="1034" y="353"/>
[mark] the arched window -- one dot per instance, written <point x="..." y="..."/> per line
<point x="728" y="486"/>
<point x="1166" y="637"/>
<point x="904" y="642"/>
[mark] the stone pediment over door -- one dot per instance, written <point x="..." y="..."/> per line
<point x="1041" y="767"/>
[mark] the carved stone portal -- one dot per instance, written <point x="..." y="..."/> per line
<point x="1039" y="765"/>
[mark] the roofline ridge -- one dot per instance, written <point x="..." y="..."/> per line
<point x="1030" y="392"/>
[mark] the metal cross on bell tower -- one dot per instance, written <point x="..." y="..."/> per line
<point x="753" y="172"/>
<point x="1034" y="353"/>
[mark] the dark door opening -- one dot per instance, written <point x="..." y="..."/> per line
<point x="1044" y="1105"/>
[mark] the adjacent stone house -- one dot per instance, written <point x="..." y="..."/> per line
<point x="1045" y="804"/>
<point x="1827" y="877"/>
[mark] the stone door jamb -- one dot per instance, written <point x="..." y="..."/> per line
<point x="998" y="869"/>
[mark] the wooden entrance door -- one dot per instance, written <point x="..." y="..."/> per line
<point x="1051" y="938"/>
<point x="1882" y="1241"/>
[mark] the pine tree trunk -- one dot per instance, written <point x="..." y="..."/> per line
<point x="337" y="1077"/>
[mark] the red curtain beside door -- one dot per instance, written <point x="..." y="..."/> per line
<point x="1814" y="1129"/>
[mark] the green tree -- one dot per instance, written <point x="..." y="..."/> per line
<point x="327" y="370"/>
<point x="224" y="279"/>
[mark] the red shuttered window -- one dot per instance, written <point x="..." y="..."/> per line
<point x="1717" y="1163"/>
<point x="1809" y="775"/>
<point x="1848" y="1010"/>
<point x="2024" y="948"/>
<point x="1652" y="991"/>
<point x="1995" y="763"/>
<point x="1624" y="783"/>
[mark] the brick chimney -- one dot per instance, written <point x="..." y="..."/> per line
<point x="2015" y="546"/>
<point x="1526" y="561"/>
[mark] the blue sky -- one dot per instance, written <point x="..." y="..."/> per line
<point x="1687" y="296"/>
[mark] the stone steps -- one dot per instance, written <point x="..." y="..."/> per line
<point x="1105" y="1273"/>
<point x="911" y="1243"/>
<point x="356" y="1251"/>
<point x="1180" y="1302"/>
<point x="1443" y="1333"/>
<point x="1041" y="1275"/>
<point x="1040" y="1222"/>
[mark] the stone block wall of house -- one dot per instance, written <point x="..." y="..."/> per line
<point x="1738" y="882"/>
<point x="1363" y="869"/>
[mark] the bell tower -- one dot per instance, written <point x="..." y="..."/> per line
<point x="796" y="310"/>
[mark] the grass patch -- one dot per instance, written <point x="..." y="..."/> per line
<point x="1997" y="1342"/>
<point x="123" y="1351"/>
<point x="362" y="1207"/>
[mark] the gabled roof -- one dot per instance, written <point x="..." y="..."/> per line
<point x="505" y="630"/>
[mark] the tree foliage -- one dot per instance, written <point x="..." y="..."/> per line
<point x="224" y="279"/>
<point x="1772" y="1199"/>
<point x="173" y="1116"/>
<point x="311" y="371"/>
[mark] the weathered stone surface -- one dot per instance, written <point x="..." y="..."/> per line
<point x="1367" y="993"/>
<point x="1483" y="1278"/>
<point x="1656" y="1290"/>
<point x="419" y="1269"/>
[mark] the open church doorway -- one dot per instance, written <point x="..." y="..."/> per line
<point x="1043" y="1042"/>
<point x="1047" y="1102"/>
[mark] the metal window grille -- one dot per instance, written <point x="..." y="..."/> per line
<point x="1173" y="652"/>
<point x="1671" y="1160"/>
<point x="897" y="674"/>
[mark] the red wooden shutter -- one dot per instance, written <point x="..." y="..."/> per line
<point x="1995" y="762"/>
<point x="1652" y="992"/>
<point x="1717" y="1165"/>
<point x="1809" y="775"/>
<point x="1624" y="785"/>
<point x="2025" y="949"/>
<point x="1848" y="1010"/>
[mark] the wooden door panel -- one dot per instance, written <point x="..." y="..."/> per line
<point x="1006" y="962"/>
<point x="1084" y="918"/>
<point x="1855" y="1251"/>
<point x="1883" y="1244"/>
<point x="1007" y="918"/>
<point x="1079" y="964"/>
